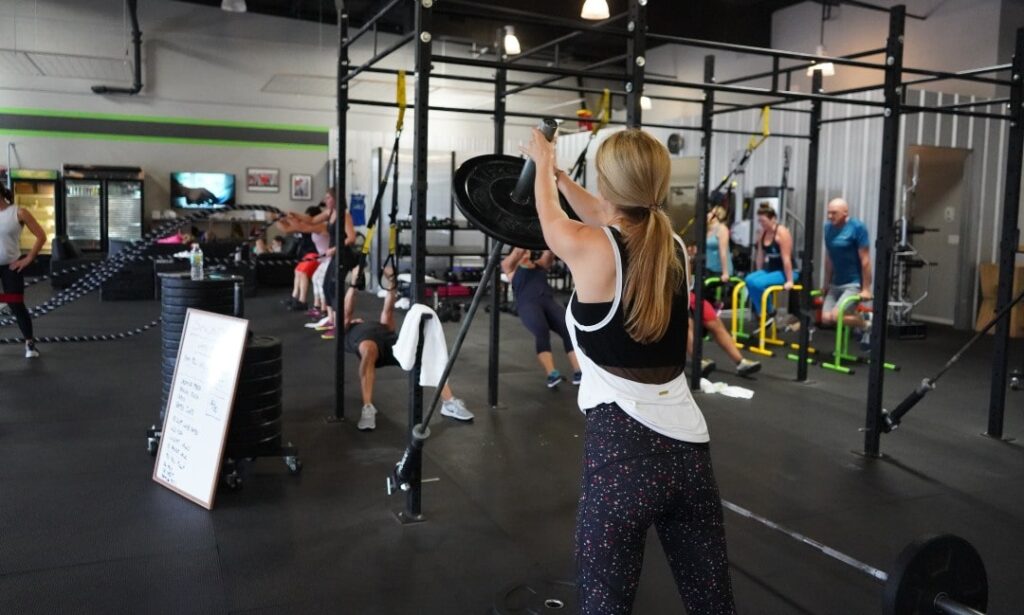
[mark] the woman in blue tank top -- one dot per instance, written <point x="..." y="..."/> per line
<point x="718" y="258"/>
<point x="647" y="459"/>
<point x="774" y="259"/>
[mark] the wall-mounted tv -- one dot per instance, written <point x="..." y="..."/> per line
<point x="202" y="190"/>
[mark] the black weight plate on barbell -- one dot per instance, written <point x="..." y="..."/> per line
<point x="219" y="307"/>
<point x="483" y="187"/>
<point x="261" y="348"/>
<point x="933" y="565"/>
<point x="254" y="402"/>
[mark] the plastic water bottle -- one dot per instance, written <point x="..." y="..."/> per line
<point x="195" y="259"/>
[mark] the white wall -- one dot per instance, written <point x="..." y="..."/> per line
<point x="202" y="63"/>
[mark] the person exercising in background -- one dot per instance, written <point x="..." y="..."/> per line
<point x="847" y="268"/>
<point x="718" y="256"/>
<point x="537" y="308"/>
<point x="774" y="259"/>
<point x="372" y="342"/>
<point x="13" y="264"/>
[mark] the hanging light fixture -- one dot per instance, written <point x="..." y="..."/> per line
<point x="827" y="68"/>
<point x="233" y="6"/>
<point x="645" y="103"/>
<point x="595" y="9"/>
<point x="511" y="42"/>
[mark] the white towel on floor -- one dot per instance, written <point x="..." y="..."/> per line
<point x="435" y="349"/>
<point x="710" y="388"/>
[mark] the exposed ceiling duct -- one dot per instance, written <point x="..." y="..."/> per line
<point x="133" y="13"/>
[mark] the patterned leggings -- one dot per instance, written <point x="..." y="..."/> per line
<point x="633" y="478"/>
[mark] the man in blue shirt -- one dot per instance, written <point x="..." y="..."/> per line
<point x="847" y="267"/>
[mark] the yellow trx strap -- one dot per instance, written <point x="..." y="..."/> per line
<point x="400" y="99"/>
<point x="755" y="140"/>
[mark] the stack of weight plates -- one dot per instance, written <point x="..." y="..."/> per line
<point x="256" y="417"/>
<point x="179" y="293"/>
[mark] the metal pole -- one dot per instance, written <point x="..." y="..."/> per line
<point x="700" y="224"/>
<point x="340" y="177"/>
<point x="884" y="241"/>
<point x="500" y="83"/>
<point x="636" y="47"/>
<point x="1009" y="241"/>
<point x="424" y="35"/>
<point x="810" y="224"/>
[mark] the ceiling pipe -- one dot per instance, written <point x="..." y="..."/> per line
<point x="133" y="12"/>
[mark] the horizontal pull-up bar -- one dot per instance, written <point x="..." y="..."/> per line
<point x="801" y="67"/>
<point x="752" y="133"/>
<point x="764" y="51"/>
<point x="494" y="12"/>
<point x="875" y="7"/>
<point x="945" y="111"/>
<point x="788" y="96"/>
<point x="584" y="72"/>
<point x="384" y="103"/>
<point x="370" y="23"/>
<point x="962" y="74"/>
<point x="976" y="103"/>
<point x="770" y="103"/>
<point x="568" y="37"/>
<point x="380" y="56"/>
<point x="852" y="118"/>
<point x="549" y="70"/>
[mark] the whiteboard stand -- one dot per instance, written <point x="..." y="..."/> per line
<point x="199" y="404"/>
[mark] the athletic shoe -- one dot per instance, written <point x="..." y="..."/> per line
<point x="321" y="325"/>
<point x="554" y="379"/>
<point x="329" y="334"/>
<point x="577" y="377"/>
<point x="706" y="367"/>
<point x="328" y="326"/>
<point x="456" y="409"/>
<point x="30" y="350"/>
<point x="368" y="419"/>
<point x="297" y="306"/>
<point x="746" y="367"/>
<point x="313" y="313"/>
<point x="865" y="335"/>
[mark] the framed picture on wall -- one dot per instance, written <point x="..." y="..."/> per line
<point x="302" y="187"/>
<point x="263" y="180"/>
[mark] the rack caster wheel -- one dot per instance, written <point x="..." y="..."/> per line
<point x="294" y="465"/>
<point x="233" y="481"/>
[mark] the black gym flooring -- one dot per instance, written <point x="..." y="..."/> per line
<point x="83" y="529"/>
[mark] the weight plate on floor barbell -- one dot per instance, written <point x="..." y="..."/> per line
<point x="257" y="386"/>
<point x="261" y="348"/>
<point x="261" y="400"/>
<point x="934" y="565"/>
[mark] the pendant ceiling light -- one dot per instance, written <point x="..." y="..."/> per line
<point x="827" y="68"/>
<point x="511" y="42"/>
<point x="595" y="9"/>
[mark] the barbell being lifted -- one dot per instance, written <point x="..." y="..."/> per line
<point x="934" y="575"/>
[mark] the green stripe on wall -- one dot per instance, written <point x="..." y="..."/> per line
<point x="158" y="119"/>
<point x="148" y="139"/>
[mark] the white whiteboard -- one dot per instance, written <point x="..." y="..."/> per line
<point x="199" y="405"/>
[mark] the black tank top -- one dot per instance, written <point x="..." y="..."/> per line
<point x="611" y="347"/>
<point x="772" y="253"/>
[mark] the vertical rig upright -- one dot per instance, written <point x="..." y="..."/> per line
<point x="810" y="225"/>
<point x="423" y="21"/>
<point x="1010" y="240"/>
<point x="340" y="178"/>
<point x="500" y="85"/>
<point x="885" y="233"/>
<point x="636" y="51"/>
<point x="700" y="221"/>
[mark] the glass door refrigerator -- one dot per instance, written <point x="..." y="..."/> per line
<point x="102" y="204"/>
<point x="37" y="192"/>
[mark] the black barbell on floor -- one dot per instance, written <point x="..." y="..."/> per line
<point x="933" y="575"/>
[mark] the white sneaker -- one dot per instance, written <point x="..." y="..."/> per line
<point x="313" y="325"/>
<point x="30" y="350"/>
<point x="456" y="408"/>
<point x="368" y="419"/>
